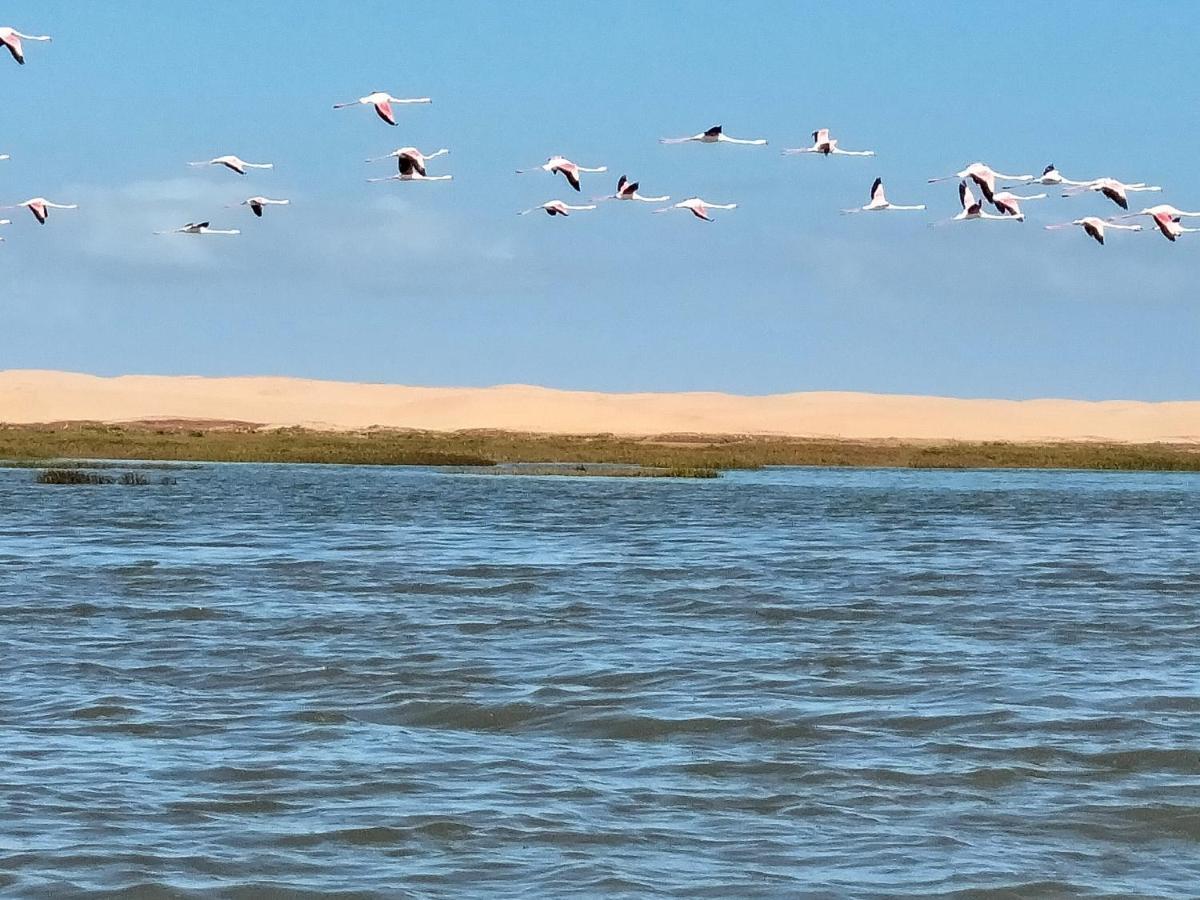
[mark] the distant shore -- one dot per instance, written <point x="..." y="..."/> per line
<point x="62" y="416"/>
<point x="689" y="455"/>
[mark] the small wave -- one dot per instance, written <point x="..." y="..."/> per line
<point x="103" y="711"/>
<point x="460" y="715"/>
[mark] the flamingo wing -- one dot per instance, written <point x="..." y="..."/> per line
<point x="13" y="43"/>
<point x="384" y="109"/>
<point x="1116" y="195"/>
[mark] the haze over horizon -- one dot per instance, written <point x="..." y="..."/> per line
<point x="442" y="284"/>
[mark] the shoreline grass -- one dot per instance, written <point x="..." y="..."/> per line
<point x="192" y="442"/>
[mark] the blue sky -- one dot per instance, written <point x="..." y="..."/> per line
<point x="444" y="284"/>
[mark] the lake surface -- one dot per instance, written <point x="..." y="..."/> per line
<point x="291" y="681"/>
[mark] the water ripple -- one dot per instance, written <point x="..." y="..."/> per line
<point x="340" y="682"/>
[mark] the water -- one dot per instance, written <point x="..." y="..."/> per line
<point x="292" y="681"/>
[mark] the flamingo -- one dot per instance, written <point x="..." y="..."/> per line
<point x="879" y="201"/>
<point x="1170" y="227"/>
<point x="199" y="228"/>
<point x="973" y="209"/>
<point x="410" y="159"/>
<point x="1010" y="204"/>
<point x="233" y="163"/>
<point x="1163" y="208"/>
<point x="1052" y="177"/>
<point x="825" y="145"/>
<point x="560" y="165"/>
<point x="11" y="39"/>
<point x="697" y="207"/>
<point x="984" y="176"/>
<point x="1114" y="190"/>
<point x="40" y="207"/>
<point x="714" y="135"/>
<point x="382" y="101"/>
<point x="555" y="208"/>
<point x="1094" y="227"/>
<point x="627" y="190"/>
<point x="256" y="204"/>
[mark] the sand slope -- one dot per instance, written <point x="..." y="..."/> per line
<point x="37" y="396"/>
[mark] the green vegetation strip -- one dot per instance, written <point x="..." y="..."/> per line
<point x="678" y="453"/>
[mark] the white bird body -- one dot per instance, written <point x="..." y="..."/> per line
<point x="628" y="190"/>
<point x="879" y="201"/>
<point x="826" y="146"/>
<point x="233" y="163"/>
<point x="985" y="177"/>
<point x="199" y="228"/>
<point x="1051" y="177"/>
<point x="4" y="156"/>
<point x="1116" y="191"/>
<point x="410" y="159"/>
<point x="698" y="208"/>
<point x="1095" y="227"/>
<point x="5" y="222"/>
<point x="382" y="101"/>
<point x="11" y="39"/>
<point x="556" y="208"/>
<point x="714" y="135"/>
<point x="257" y="204"/>
<point x="40" y="207"/>
<point x="560" y="165"/>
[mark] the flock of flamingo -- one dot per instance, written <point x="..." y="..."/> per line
<point x="411" y="162"/>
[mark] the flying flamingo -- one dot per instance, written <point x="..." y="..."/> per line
<point x="1010" y="204"/>
<point x="973" y="209"/>
<point x="410" y="159"/>
<point x="555" y="208"/>
<point x="199" y="228"/>
<point x="697" y="207"/>
<point x="382" y="101"/>
<point x="879" y="201"/>
<point x="1094" y="227"/>
<point x="825" y="145"/>
<point x="1163" y="208"/>
<point x="984" y="176"/>
<point x="560" y="165"/>
<point x="627" y="190"/>
<point x="714" y="135"/>
<point x="256" y="204"/>
<point x="1170" y="227"/>
<point x="233" y="163"/>
<point x="40" y="207"/>
<point x="1114" y="190"/>
<point x="11" y="39"/>
<point x="1052" y="177"/>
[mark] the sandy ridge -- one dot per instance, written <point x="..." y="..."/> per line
<point x="32" y="396"/>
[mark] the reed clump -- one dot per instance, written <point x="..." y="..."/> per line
<point x="243" y="442"/>
<point x="81" y="476"/>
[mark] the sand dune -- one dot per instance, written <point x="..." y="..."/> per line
<point x="28" y="396"/>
